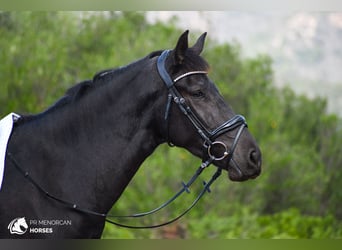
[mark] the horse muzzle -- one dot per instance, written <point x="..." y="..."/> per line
<point x="249" y="169"/>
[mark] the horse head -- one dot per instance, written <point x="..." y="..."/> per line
<point x="202" y="122"/>
<point x="18" y="226"/>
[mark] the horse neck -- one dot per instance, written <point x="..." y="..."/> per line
<point x="100" y="140"/>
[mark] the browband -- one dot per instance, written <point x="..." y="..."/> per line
<point x="165" y="76"/>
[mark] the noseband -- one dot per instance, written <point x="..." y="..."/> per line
<point x="209" y="145"/>
<point x="209" y="136"/>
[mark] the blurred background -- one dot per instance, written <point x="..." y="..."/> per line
<point x="281" y="70"/>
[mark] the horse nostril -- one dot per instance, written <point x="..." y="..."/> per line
<point x="255" y="158"/>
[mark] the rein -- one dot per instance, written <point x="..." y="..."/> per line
<point x="210" y="143"/>
<point x="75" y="207"/>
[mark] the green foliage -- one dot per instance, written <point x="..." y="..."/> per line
<point x="288" y="224"/>
<point x="298" y="195"/>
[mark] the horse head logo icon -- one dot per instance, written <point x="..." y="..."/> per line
<point x="18" y="226"/>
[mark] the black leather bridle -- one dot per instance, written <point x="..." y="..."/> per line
<point x="209" y="143"/>
<point x="209" y="136"/>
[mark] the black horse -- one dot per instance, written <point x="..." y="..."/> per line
<point x="88" y="146"/>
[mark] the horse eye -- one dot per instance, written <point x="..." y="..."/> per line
<point x="198" y="94"/>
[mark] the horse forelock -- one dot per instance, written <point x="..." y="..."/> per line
<point x="195" y="62"/>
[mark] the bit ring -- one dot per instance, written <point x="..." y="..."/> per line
<point x="218" y="144"/>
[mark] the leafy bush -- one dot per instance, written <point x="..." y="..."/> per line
<point x="298" y="195"/>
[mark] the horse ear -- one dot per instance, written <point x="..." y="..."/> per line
<point x="181" y="47"/>
<point x="198" y="47"/>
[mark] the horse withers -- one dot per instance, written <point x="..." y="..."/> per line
<point x="88" y="146"/>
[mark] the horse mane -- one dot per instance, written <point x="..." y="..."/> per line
<point x="81" y="89"/>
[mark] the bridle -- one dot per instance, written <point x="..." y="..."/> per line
<point x="209" y="136"/>
<point x="209" y="144"/>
